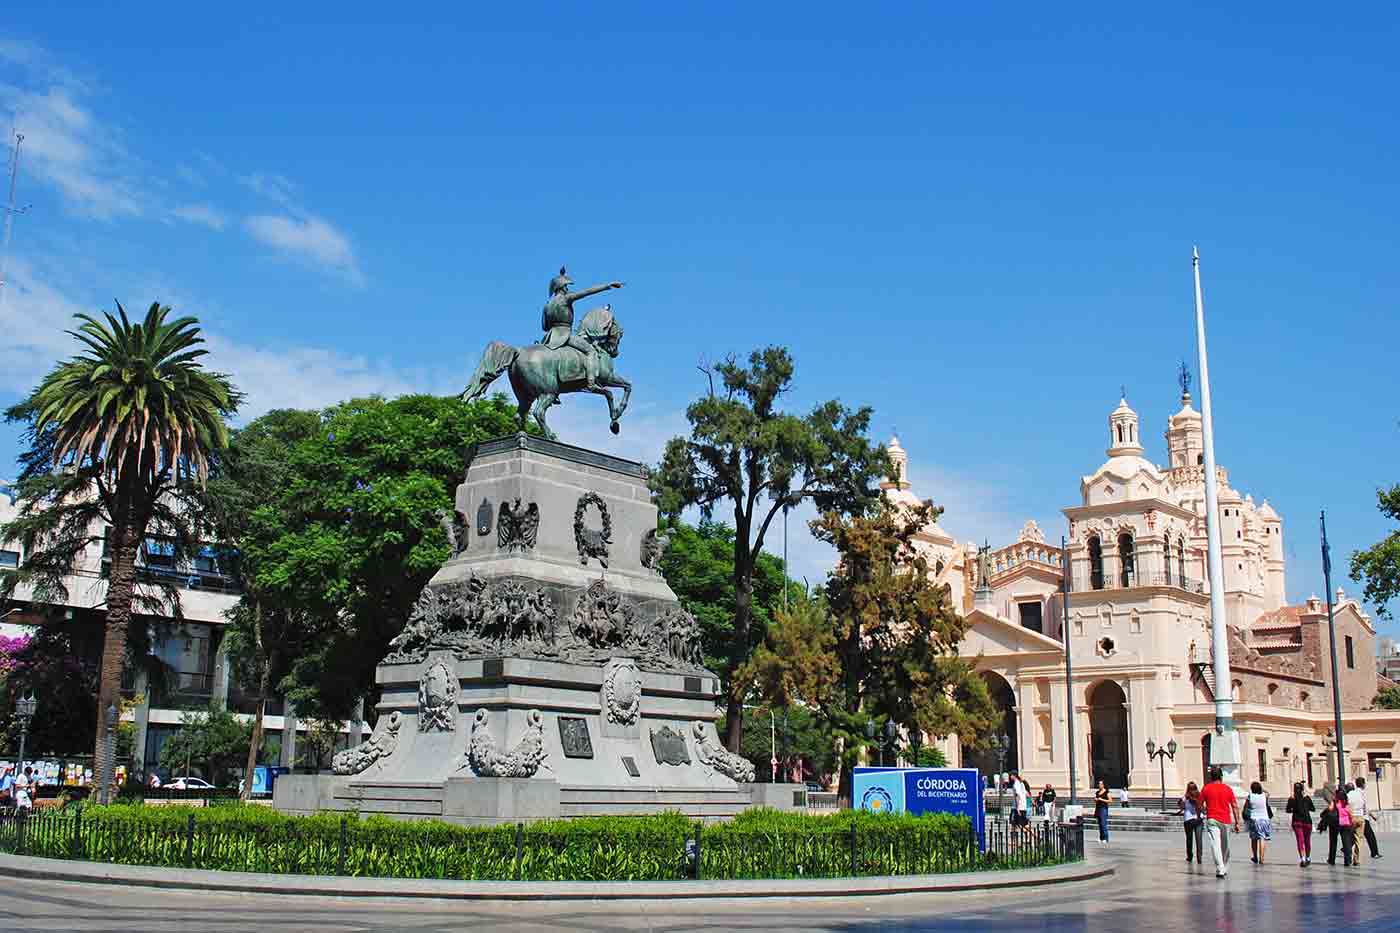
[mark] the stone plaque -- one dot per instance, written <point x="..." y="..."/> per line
<point x="692" y="685"/>
<point x="573" y="736"/>
<point x="630" y="764"/>
<point x="668" y="746"/>
<point x="483" y="518"/>
<point x="493" y="668"/>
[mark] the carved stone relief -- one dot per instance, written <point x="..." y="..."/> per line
<point x="381" y="744"/>
<point x="592" y="542"/>
<point x="518" y="526"/>
<point x="437" y="699"/>
<point x="574" y="738"/>
<point x="654" y="545"/>
<point x="716" y="757"/>
<point x="668" y="746"/>
<point x="622" y="691"/>
<point x="521" y="761"/>
<point x="514" y="618"/>
<point x="454" y="525"/>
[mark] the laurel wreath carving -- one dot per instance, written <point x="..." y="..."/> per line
<point x="592" y="543"/>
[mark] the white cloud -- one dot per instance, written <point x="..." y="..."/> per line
<point x="272" y="186"/>
<point x="33" y="317"/>
<point x="204" y="214"/>
<point x="308" y="238"/>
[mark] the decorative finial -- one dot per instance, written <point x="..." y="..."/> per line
<point x="1123" y="391"/>
<point x="1184" y="379"/>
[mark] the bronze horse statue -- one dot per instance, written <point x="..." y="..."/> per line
<point x="539" y="374"/>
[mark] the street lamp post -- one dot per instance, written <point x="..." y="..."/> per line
<point x="891" y="733"/>
<point x="24" y="709"/>
<point x="870" y="734"/>
<point x="1162" y="754"/>
<point x="916" y="739"/>
<point x="1000" y="744"/>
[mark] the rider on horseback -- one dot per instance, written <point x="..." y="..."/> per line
<point x="558" y="322"/>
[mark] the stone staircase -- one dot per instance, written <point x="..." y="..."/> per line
<point x="697" y="803"/>
<point x="404" y="800"/>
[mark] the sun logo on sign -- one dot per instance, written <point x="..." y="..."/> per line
<point x="877" y="800"/>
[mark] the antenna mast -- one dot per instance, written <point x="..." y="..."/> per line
<point x="10" y="212"/>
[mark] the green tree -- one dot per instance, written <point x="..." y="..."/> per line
<point x="214" y="739"/>
<point x="118" y="434"/>
<point x="746" y="454"/>
<point x="699" y="567"/>
<point x="1378" y="567"/>
<point x="884" y="647"/>
<point x="1389" y="698"/>
<point x="263" y="635"/>
<point x="338" y="552"/>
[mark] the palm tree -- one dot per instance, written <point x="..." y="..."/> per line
<point x="115" y="433"/>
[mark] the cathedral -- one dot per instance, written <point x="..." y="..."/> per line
<point x="1138" y="620"/>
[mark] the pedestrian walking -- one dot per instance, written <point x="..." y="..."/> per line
<point x="1346" y="829"/>
<point x="1300" y="805"/>
<point x="1123" y="797"/>
<point x="1222" y="809"/>
<point x="1047" y="800"/>
<point x="1328" y="821"/>
<point x="1193" y="822"/>
<point x="24" y="788"/>
<point x="1361" y="814"/>
<point x="1020" y="803"/>
<point x="1101" y="804"/>
<point x="7" y="786"/>
<point x="1259" y="817"/>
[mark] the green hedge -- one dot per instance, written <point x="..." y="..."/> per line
<point x="757" y="844"/>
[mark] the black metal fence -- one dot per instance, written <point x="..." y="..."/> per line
<point x="517" y="852"/>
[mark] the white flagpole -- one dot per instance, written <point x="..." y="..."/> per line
<point x="1224" y="751"/>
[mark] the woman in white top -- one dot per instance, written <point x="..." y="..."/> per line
<point x="24" y="786"/>
<point x="1261" y="821"/>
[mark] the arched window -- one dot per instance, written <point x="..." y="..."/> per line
<point x="1132" y="434"/>
<point x="1273" y="689"/>
<point x="1127" y="560"/>
<point x="1167" y="559"/>
<point x="1120" y="434"/>
<point x="1095" y="563"/>
<point x="1181" y="562"/>
<point x="1200" y="459"/>
<point x="938" y="568"/>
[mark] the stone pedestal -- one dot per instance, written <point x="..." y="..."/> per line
<point x="547" y="669"/>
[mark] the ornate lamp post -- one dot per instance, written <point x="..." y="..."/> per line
<point x="891" y="733"/>
<point x="24" y="709"/>
<point x="1162" y="754"/>
<point x="916" y="739"/>
<point x="786" y="748"/>
<point x="870" y="734"/>
<point x="1000" y="745"/>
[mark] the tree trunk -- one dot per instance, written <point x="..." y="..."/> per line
<point x="120" y="590"/>
<point x="738" y="653"/>
<point x="264" y="672"/>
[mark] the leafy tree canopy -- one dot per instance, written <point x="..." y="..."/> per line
<point x="881" y="646"/>
<point x="749" y="457"/>
<point x="213" y="741"/>
<point x="349" y="535"/>
<point x="699" y="567"/>
<point x="1389" y="698"/>
<point x="1379" y="565"/>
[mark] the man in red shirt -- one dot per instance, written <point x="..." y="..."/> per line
<point x="1221" y="808"/>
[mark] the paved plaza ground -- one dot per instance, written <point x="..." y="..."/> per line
<point x="1153" y="889"/>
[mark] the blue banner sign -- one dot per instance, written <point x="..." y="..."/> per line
<point x="921" y="790"/>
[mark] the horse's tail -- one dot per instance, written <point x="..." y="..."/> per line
<point x="495" y="359"/>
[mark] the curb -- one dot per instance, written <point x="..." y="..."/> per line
<point x="19" y="866"/>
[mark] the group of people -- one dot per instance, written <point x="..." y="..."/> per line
<point x="1020" y="791"/>
<point x="1207" y="812"/>
<point x="16" y="791"/>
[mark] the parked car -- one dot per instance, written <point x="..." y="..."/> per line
<point x="189" y="782"/>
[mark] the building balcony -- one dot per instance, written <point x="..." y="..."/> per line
<point x="1084" y="583"/>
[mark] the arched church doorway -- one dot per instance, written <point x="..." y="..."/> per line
<point x="1108" y="734"/>
<point x="985" y="760"/>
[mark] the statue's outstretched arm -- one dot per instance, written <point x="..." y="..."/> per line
<point x="592" y="290"/>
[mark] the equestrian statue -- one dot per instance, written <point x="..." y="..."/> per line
<point x="563" y="361"/>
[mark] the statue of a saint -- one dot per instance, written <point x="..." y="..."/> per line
<point x="558" y="322"/>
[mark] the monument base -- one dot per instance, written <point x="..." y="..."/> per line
<point x="1225" y="755"/>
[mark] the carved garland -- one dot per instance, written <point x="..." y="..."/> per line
<point x="592" y="543"/>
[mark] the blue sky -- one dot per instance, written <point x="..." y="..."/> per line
<point x="979" y="223"/>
